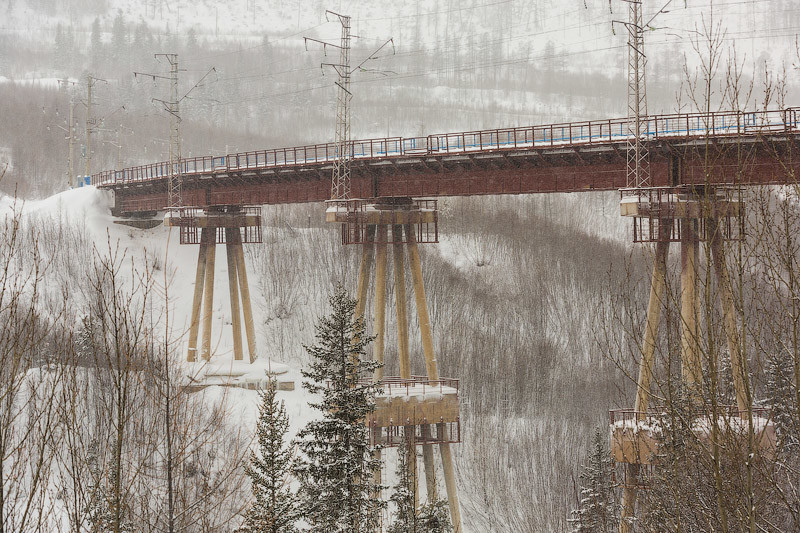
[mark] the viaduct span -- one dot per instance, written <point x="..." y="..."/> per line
<point x="748" y="148"/>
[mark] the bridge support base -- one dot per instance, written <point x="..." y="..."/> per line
<point x="401" y="223"/>
<point x="232" y="226"/>
<point x="687" y="215"/>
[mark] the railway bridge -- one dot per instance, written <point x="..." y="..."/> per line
<point x="698" y="165"/>
<point x="747" y="148"/>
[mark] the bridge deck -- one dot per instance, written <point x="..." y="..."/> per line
<point x="750" y="147"/>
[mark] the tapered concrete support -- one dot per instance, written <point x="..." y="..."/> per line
<point x="400" y="303"/>
<point x="658" y="285"/>
<point x="233" y="283"/>
<point x="431" y="366"/>
<point x="244" y="289"/>
<point x="364" y="269"/>
<point x="379" y="327"/>
<point x="738" y="365"/>
<point x="208" y="296"/>
<point x="199" y="280"/>
<point x="411" y="462"/>
<point x="450" y="481"/>
<point x="628" y="500"/>
<point x="376" y="248"/>
<point x="654" y="306"/>
<point x="691" y="367"/>
<point x="427" y="462"/>
<point x="422" y="306"/>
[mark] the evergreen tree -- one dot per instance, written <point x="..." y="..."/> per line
<point x="96" y="41"/>
<point x="727" y="390"/>
<point x="335" y="470"/>
<point x="403" y="497"/>
<point x="59" y="50"/>
<point x="433" y="517"/>
<point x="99" y="510"/>
<point x="779" y="392"/>
<point x="119" y="39"/>
<point x="598" y="510"/>
<point x="275" y="507"/>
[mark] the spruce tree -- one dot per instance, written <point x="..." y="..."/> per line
<point x="274" y="509"/>
<point x="403" y="496"/>
<point x="433" y="517"/>
<point x="597" y="512"/>
<point x="779" y="391"/>
<point x="335" y="469"/>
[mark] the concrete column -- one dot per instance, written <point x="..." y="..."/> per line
<point x="431" y="365"/>
<point x="233" y="282"/>
<point x="400" y="303"/>
<point x="199" y="279"/>
<point x="208" y="296"/>
<point x="411" y="461"/>
<point x="427" y="463"/>
<point x="654" y="306"/>
<point x="379" y="326"/>
<point x="690" y="327"/>
<point x="450" y="480"/>
<point x="367" y="252"/>
<point x="738" y="364"/>
<point x="244" y="289"/>
<point x="422" y="306"/>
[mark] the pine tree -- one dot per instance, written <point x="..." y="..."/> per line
<point x="779" y="392"/>
<point x="119" y="39"/>
<point x="336" y="467"/>
<point x="597" y="512"/>
<point x="403" y="496"/>
<point x="275" y="507"/>
<point x="96" y="41"/>
<point x="433" y="517"/>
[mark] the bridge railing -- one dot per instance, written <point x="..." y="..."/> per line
<point x="601" y="132"/>
<point x="674" y="126"/>
<point x="301" y="155"/>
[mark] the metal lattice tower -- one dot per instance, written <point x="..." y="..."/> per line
<point x="638" y="168"/>
<point x="340" y="184"/>
<point x="175" y="196"/>
<point x="90" y="123"/>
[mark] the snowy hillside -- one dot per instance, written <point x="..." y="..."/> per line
<point x="301" y="259"/>
<point x="451" y="67"/>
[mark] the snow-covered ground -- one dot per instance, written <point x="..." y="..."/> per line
<point x="174" y="280"/>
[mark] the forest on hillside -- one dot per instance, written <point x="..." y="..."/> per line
<point x="454" y="68"/>
<point x="537" y="303"/>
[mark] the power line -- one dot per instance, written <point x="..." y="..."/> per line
<point x="256" y="47"/>
<point x="431" y="13"/>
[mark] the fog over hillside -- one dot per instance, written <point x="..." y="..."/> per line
<point x="536" y="301"/>
<point x="453" y="66"/>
